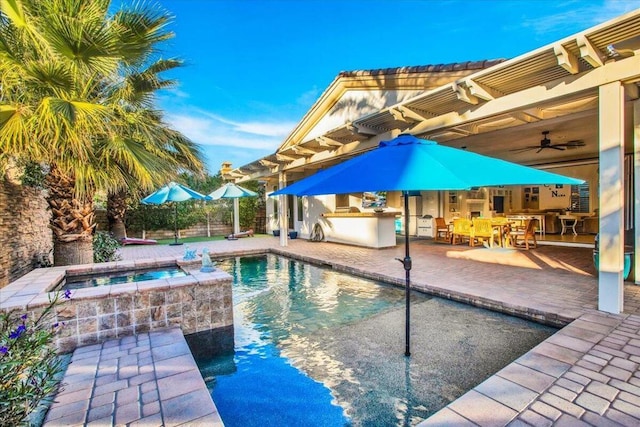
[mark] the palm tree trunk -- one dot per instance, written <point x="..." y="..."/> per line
<point x="116" y="210"/>
<point x="72" y="220"/>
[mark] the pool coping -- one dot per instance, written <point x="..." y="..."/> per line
<point x="34" y="288"/>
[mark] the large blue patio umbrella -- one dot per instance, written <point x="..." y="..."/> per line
<point x="173" y="192"/>
<point x="232" y="191"/>
<point x="409" y="165"/>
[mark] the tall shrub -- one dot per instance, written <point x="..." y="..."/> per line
<point x="29" y="363"/>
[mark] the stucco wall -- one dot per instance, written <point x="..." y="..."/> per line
<point x="24" y="231"/>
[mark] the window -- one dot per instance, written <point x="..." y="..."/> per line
<point x="580" y="198"/>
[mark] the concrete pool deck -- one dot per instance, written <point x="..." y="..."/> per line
<point x="585" y="374"/>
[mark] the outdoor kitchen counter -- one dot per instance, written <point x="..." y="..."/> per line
<point x="369" y="229"/>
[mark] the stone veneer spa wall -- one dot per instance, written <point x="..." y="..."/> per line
<point x="197" y="302"/>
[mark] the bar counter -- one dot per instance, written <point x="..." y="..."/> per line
<point x="369" y="229"/>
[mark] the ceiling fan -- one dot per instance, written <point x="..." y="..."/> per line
<point x="545" y="142"/>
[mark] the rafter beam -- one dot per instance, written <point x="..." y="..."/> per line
<point x="566" y="60"/>
<point x="403" y="114"/>
<point x="235" y="174"/>
<point x="482" y="91"/>
<point x="463" y="93"/>
<point x="284" y="159"/>
<point x="302" y="151"/>
<point x="268" y="163"/>
<point x="328" y="142"/>
<point x="589" y="52"/>
<point x="535" y="113"/>
<point x="358" y="129"/>
<point x="524" y="117"/>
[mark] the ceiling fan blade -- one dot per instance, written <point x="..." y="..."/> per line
<point x="539" y="150"/>
<point x="556" y="147"/>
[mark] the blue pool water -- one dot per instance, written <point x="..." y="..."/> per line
<point x="315" y="347"/>
<point x="118" y="277"/>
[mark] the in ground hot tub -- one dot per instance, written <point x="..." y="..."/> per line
<point x="81" y="281"/>
<point x="145" y="295"/>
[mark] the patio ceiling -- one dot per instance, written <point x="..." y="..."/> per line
<point x="496" y="110"/>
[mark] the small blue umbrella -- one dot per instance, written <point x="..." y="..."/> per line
<point x="232" y="191"/>
<point x="409" y="164"/>
<point x="173" y="192"/>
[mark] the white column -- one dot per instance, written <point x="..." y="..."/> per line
<point x="282" y="211"/>
<point x="636" y="187"/>
<point x="611" y="137"/>
<point x="236" y="215"/>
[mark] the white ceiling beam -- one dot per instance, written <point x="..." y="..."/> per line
<point x="566" y="60"/>
<point x="302" y="151"/>
<point x="463" y="93"/>
<point x="359" y="129"/>
<point x="631" y="92"/>
<point x="627" y="69"/>
<point x="524" y="117"/>
<point x="268" y="163"/>
<point x="481" y="91"/>
<point x="328" y="142"/>
<point x="535" y="113"/>
<point x="404" y="114"/>
<point x="589" y="52"/>
<point x="284" y="159"/>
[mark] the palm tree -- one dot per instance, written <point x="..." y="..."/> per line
<point x="62" y="68"/>
<point x="171" y="150"/>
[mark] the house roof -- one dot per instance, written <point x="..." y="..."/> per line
<point x="534" y="90"/>
<point x="438" y="68"/>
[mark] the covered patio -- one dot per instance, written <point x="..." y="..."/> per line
<point x="579" y="95"/>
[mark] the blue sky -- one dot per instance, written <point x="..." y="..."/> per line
<point x="254" y="68"/>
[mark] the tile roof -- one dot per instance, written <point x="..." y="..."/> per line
<point x="437" y="68"/>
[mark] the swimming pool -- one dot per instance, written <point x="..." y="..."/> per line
<point x="317" y="347"/>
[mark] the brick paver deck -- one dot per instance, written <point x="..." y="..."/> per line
<point x="586" y="374"/>
<point x="150" y="379"/>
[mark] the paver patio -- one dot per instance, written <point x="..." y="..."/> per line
<point x="586" y="374"/>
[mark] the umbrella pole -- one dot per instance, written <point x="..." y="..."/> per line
<point x="175" y="225"/>
<point x="406" y="262"/>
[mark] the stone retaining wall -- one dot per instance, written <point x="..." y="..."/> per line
<point x="25" y="236"/>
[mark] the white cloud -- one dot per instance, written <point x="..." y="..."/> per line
<point x="208" y="129"/>
<point x="579" y="14"/>
<point x="257" y="128"/>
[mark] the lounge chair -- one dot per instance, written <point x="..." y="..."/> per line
<point x="248" y="233"/>
<point x="136" y="241"/>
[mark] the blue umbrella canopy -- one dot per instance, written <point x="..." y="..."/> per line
<point x="409" y="164"/>
<point x="235" y="192"/>
<point x="231" y="191"/>
<point x="172" y="192"/>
